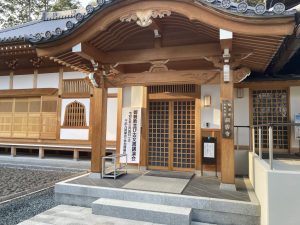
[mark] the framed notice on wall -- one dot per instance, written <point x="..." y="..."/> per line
<point x="131" y="134"/>
<point x="209" y="152"/>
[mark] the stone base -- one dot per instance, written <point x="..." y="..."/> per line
<point x="228" y="187"/>
<point x="207" y="173"/>
<point x="95" y="175"/>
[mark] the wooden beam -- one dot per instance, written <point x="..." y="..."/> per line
<point x="99" y="107"/>
<point x="165" y="77"/>
<point x="88" y="52"/>
<point x="177" y="53"/>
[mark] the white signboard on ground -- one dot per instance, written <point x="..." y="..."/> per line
<point x="131" y="134"/>
<point x="209" y="150"/>
<point x="297" y="128"/>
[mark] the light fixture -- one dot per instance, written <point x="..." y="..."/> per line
<point x="207" y="101"/>
<point x="240" y="92"/>
<point x="226" y="72"/>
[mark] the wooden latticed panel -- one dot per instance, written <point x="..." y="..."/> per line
<point x="176" y="88"/>
<point x="75" y="86"/>
<point x="49" y="118"/>
<point x="6" y="117"/>
<point x="20" y="121"/>
<point x="158" y="152"/>
<point x="271" y="106"/>
<point x="75" y="115"/>
<point x="184" y="134"/>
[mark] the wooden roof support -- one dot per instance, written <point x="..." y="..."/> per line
<point x="88" y="52"/>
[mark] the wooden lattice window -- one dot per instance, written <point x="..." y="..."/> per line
<point x="176" y="88"/>
<point x="75" y="115"/>
<point x="271" y="106"/>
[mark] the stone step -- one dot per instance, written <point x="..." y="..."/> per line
<point x="154" y="213"/>
<point x="199" y="223"/>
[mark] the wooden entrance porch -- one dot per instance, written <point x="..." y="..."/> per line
<point x="150" y="44"/>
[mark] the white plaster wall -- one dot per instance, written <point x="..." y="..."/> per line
<point x="84" y="101"/>
<point x="4" y="82"/>
<point x="294" y="109"/>
<point x="241" y="117"/>
<point x="73" y="75"/>
<point x="112" y="90"/>
<point x="211" y="114"/>
<point x="23" y="81"/>
<point x="48" y="80"/>
<point x="277" y="192"/>
<point x="284" y="198"/>
<point x="260" y="184"/>
<point x="112" y="113"/>
<point x="74" y="134"/>
<point x="133" y="96"/>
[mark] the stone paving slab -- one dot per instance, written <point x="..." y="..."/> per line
<point x="158" y="184"/>
<point x="71" y="215"/>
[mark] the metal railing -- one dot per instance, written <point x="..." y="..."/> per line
<point x="270" y="127"/>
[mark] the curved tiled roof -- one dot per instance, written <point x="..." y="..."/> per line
<point x="48" y="21"/>
<point x="55" y="27"/>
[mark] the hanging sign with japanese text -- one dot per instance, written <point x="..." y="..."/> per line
<point x="227" y="119"/>
<point x="131" y="135"/>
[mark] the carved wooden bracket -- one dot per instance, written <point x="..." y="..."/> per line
<point x="159" y="66"/>
<point x="12" y="63"/>
<point x="36" y="62"/>
<point x="241" y="74"/>
<point x="144" y="18"/>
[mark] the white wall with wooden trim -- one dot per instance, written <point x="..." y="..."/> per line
<point x="48" y="80"/>
<point x="73" y="75"/>
<point x="74" y="134"/>
<point x="212" y="114"/>
<point x="242" y="116"/>
<point x="4" y="82"/>
<point x="23" y="81"/>
<point x="294" y="109"/>
<point x="112" y="112"/>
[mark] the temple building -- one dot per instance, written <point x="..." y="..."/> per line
<point x="173" y="84"/>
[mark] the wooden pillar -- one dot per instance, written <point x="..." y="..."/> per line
<point x="227" y="144"/>
<point x="144" y="133"/>
<point x="13" y="151"/>
<point x="41" y="152"/>
<point x="76" y="154"/>
<point x="99" y="107"/>
<point x="35" y="77"/>
<point x="198" y="134"/>
<point x="11" y="79"/>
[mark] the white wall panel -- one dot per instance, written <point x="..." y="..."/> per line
<point x="212" y="114"/>
<point x="133" y="96"/>
<point x="241" y="117"/>
<point x="73" y="75"/>
<point x="23" y="82"/>
<point x="48" y="80"/>
<point x="74" y="134"/>
<point x="4" y="82"/>
<point x="112" y="113"/>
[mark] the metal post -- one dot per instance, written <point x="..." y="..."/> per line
<point x="259" y="143"/>
<point x="253" y="139"/>
<point x="237" y="139"/>
<point x="271" y="147"/>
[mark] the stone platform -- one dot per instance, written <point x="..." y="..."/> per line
<point x="198" y="196"/>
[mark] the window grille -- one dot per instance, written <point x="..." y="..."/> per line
<point x="271" y="106"/>
<point x="180" y="88"/>
<point x="75" y="115"/>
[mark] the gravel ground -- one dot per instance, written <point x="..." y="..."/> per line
<point x="24" y="208"/>
<point x="16" y="181"/>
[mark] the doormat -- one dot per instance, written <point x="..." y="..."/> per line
<point x="158" y="184"/>
<point x="171" y="174"/>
